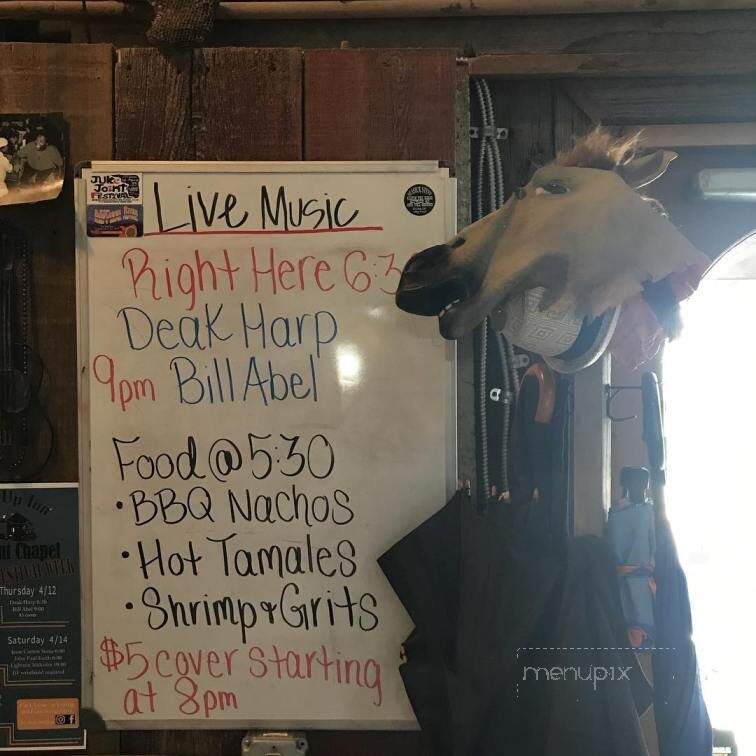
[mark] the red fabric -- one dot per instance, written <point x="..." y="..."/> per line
<point x="637" y="636"/>
<point x="639" y="335"/>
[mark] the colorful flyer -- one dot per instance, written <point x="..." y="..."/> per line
<point x="114" y="220"/>
<point x="40" y="619"/>
<point x="114" y="189"/>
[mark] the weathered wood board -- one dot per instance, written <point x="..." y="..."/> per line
<point x="153" y="97"/>
<point x="247" y="104"/>
<point x="379" y="105"/>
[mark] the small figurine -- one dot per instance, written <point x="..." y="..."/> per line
<point x="630" y="531"/>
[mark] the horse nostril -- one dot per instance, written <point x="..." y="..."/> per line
<point x="428" y="284"/>
<point x="428" y="259"/>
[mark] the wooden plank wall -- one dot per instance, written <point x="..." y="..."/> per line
<point x="379" y="105"/>
<point x="143" y="79"/>
<point x="210" y="104"/>
<point x="247" y="104"/>
<point x="525" y="109"/>
<point x="76" y="80"/>
<point x="275" y="104"/>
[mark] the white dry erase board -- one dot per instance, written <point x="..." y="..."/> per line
<point x="258" y="422"/>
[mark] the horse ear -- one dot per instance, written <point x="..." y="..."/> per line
<point x="641" y="171"/>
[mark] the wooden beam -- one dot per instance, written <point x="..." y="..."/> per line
<point x="696" y="134"/>
<point x="301" y="9"/>
<point x="554" y="65"/>
<point x="700" y="32"/>
<point x="694" y="31"/>
<point x="664" y="99"/>
<point x="69" y="9"/>
<point x="592" y="436"/>
<point x="304" y="9"/>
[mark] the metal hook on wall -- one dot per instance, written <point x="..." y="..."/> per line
<point x="611" y="393"/>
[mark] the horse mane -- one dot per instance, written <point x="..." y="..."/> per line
<point x="600" y="149"/>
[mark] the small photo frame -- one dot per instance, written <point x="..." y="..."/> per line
<point x="32" y="157"/>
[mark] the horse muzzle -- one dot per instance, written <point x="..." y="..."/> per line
<point x="430" y="283"/>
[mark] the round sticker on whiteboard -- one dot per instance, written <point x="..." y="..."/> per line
<point x="419" y="199"/>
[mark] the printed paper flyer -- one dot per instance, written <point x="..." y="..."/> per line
<point x="40" y="624"/>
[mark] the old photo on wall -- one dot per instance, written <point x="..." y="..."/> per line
<point x="32" y="157"/>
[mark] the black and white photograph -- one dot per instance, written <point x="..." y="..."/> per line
<point x="32" y="157"/>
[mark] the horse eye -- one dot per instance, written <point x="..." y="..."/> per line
<point x="555" y="187"/>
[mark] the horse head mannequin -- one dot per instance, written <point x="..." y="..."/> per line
<point x="579" y="233"/>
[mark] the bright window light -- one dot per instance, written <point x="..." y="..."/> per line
<point x="709" y="377"/>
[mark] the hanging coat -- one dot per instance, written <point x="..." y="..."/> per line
<point x="682" y="720"/>
<point x="489" y="599"/>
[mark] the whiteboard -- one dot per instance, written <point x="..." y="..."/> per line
<point x="258" y="423"/>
